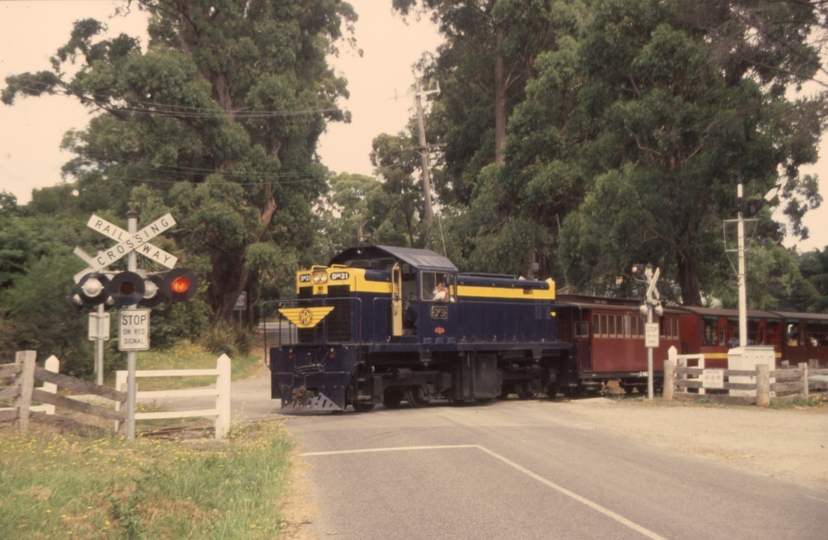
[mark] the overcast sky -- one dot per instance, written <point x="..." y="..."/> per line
<point x="379" y="84"/>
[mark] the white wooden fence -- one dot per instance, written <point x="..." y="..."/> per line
<point x="221" y="392"/>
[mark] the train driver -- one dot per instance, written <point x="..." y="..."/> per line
<point x="441" y="293"/>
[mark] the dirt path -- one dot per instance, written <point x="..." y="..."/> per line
<point x="786" y="444"/>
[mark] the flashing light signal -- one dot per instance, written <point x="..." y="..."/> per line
<point x="130" y="288"/>
<point x="153" y="294"/>
<point x="89" y="292"/>
<point x="180" y="284"/>
<point x="125" y="289"/>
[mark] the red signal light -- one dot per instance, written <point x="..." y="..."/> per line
<point x="126" y="288"/>
<point x="180" y="285"/>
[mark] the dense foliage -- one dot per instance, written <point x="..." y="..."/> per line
<point x="629" y="126"/>
<point x="216" y="120"/>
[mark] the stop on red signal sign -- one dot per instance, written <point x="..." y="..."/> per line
<point x="133" y="330"/>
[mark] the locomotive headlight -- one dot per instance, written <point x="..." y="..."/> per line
<point x="323" y="277"/>
<point x="316" y="278"/>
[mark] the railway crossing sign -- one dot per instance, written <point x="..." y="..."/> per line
<point x="127" y="243"/>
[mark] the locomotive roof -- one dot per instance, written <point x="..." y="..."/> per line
<point x="421" y="259"/>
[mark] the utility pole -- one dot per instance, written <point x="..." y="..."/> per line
<point x="740" y="231"/>
<point x="424" y="148"/>
<point x="745" y="209"/>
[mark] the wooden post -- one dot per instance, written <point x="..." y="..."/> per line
<point x="223" y="399"/>
<point x="25" y="379"/>
<point x="669" y="379"/>
<point x="804" y="367"/>
<point x="762" y="385"/>
<point x="53" y="365"/>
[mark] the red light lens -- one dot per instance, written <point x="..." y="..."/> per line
<point x="180" y="285"/>
<point x="126" y="288"/>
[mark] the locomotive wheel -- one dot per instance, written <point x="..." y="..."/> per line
<point x="527" y="389"/>
<point x="362" y="406"/>
<point x="552" y="390"/>
<point x="505" y="390"/>
<point x="415" y="395"/>
<point x="393" y="397"/>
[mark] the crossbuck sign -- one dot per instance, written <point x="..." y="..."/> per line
<point x="127" y="242"/>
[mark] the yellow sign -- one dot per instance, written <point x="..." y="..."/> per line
<point x="306" y="317"/>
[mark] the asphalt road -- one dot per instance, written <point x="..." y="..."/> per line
<point x="519" y="470"/>
<point x="527" y="470"/>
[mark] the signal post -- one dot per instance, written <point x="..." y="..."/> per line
<point x="99" y="287"/>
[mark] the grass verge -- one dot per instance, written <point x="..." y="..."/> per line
<point x="66" y="486"/>
<point x="187" y="355"/>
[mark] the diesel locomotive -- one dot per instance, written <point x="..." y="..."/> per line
<point x="382" y="324"/>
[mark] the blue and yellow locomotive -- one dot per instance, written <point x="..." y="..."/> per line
<point x="383" y="324"/>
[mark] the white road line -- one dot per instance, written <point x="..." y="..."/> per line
<point x="595" y="506"/>
<point x="397" y="449"/>
<point x="817" y="499"/>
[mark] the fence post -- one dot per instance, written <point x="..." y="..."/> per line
<point x="223" y="399"/>
<point x="804" y="367"/>
<point x="52" y="365"/>
<point x="669" y="379"/>
<point x="25" y="379"/>
<point x="762" y="385"/>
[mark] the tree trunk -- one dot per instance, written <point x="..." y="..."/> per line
<point x="688" y="279"/>
<point x="228" y="278"/>
<point x="500" y="100"/>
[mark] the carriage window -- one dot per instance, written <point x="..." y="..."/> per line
<point x="709" y="332"/>
<point x="634" y="322"/>
<point x="792" y="334"/>
<point x="772" y="333"/>
<point x="626" y="326"/>
<point x="604" y="325"/>
<point x="753" y="330"/>
<point x="581" y="329"/>
<point x="612" y="325"/>
<point x="721" y="335"/>
<point x="812" y="332"/>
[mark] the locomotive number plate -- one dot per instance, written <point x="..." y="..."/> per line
<point x="439" y="312"/>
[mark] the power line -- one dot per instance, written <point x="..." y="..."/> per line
<point x="182" y="110"/>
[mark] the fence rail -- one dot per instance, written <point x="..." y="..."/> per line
<point x="765" y="387"/>
<point x="221" y="392"/>
<point x="25" y="372"/>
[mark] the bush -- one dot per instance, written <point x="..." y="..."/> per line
<point x="231" y="340"/>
